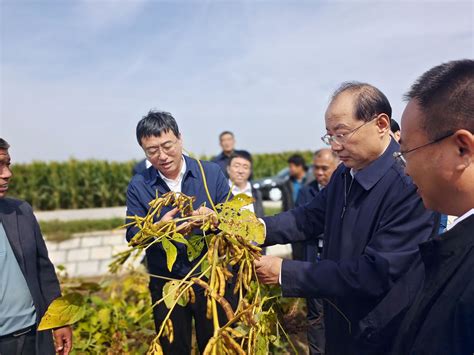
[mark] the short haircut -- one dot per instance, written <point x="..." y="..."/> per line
<point x="330" y="151"/>
<point x="369" y="101"/>
<point x="4" y="144"/>
<point x="394" y="127"/>
<point x="155" y="123"/>
<point x="240" y="154"/>
<point x="224" y="133"/>
<point x="297" y="160"/>
<point x="445" y="95"/>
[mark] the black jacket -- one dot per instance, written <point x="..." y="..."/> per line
<point x="441" y="320"/>
<point x="287" y="202"/>
<point x="371" y="239"/>
<point x="28" y="245"/>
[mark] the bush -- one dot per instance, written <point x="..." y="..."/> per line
<point x="118" y="318"/>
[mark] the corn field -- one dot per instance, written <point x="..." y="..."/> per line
<point x="94" y="183"/>
<point x="72" y="184"/>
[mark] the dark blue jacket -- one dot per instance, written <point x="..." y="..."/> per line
<point x="306" y="195"/>
<point x="142" y="189"/>
<point x="366" y="249"/>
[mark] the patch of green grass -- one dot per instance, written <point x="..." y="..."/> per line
<point x="270" y="211"/>
<point x="56" y="230"/>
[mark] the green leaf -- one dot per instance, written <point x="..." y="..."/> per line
<point x="261" y="346"/>
<point x="171" y="253"/>
<point x="178" y="237"/>
<point x="104" y="317"/>
<point x="171" y="292"/>
<point x="63" y="311"/>
<point x="204" y="266"/>
<point x="239" y="201"/>
<point x="195" y="246"/>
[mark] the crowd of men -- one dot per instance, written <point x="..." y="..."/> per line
<point x="368" y="255"/>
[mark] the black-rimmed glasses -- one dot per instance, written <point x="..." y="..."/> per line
<point x="400" y="156"/>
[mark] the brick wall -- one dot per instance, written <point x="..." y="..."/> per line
<point x="87" y="254"/>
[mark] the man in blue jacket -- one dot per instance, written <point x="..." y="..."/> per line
<point x="370" y="214"/>
<point x="160" y="139"/>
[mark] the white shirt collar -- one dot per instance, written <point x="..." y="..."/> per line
<point x="460" y="219"/>
<point x="175" y="185"/>
<point x="247" y="189"/>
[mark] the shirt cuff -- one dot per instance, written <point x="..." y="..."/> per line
<point x="279" y="276"/>
<point x="264" y="227"/>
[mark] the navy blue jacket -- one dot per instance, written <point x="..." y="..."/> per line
<point x="142" y="189"/>
<point x="306" y="195"/>
<point x="366" y="249"/>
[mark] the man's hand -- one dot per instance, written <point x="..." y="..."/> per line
<point x="268" y="269"/>
<point x="168" y="216"/>
<point x="63" y="340"/>
<point x="205" y="211"/>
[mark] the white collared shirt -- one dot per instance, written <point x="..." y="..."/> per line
<point x="175" y="185"/>
<point x="460" y="219"/>
<point x="246" y="190"/>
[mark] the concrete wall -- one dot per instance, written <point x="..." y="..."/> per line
<point x="87" y="254"/>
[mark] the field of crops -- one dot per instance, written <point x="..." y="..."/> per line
<point x="94" y="183"/>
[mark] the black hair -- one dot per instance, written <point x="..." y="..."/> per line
<point x="240" y="154"/>
<point x="224" y="133"/>
<point x="394" y="127"/>
<point x="155" y="123"/>
<point x="445" y="95"/>
<point x="4" y="144"/>
<point x="297" y="160"/>
<point x="369" y="101"/>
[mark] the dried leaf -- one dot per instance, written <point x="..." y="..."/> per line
<point x="243" y="223"/>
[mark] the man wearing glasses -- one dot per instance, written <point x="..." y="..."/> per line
<point x="370" y="214"/>
<point x="437" y="144"/>
<point x="160" y="139"/>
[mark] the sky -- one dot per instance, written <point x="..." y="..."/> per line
<point x="76" y="76"/>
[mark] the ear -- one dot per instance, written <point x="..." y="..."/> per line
<point x="464" y="141"/>
<point x="383" y="122"/>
